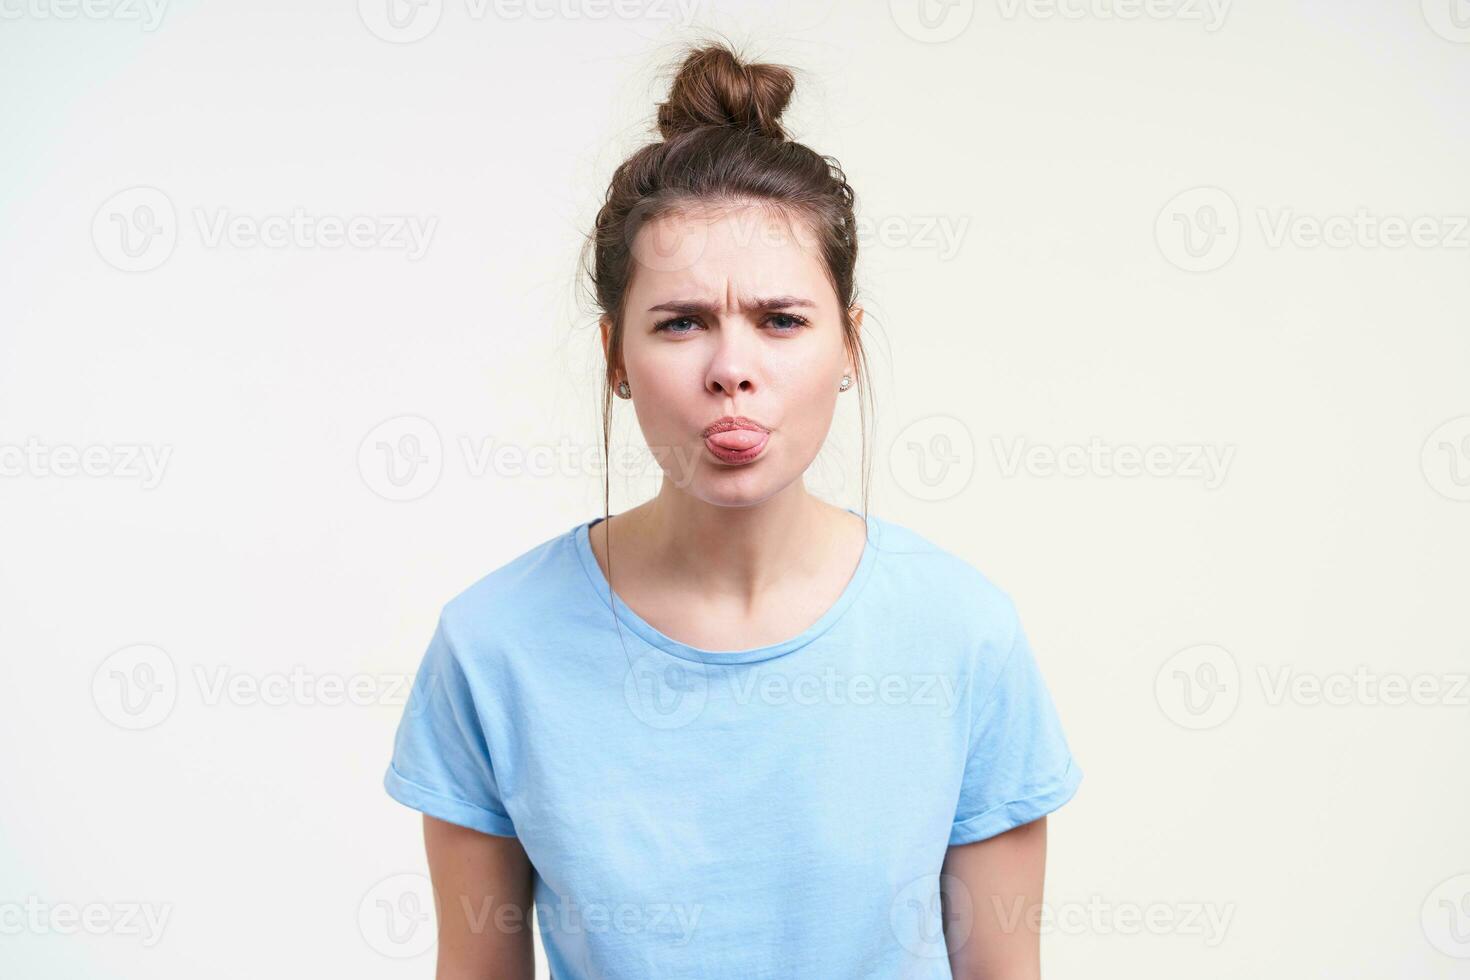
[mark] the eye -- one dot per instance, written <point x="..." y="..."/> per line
<point x="783" y="322"/>
<point x="667" y="326"/>
<point x="794" y="323"/>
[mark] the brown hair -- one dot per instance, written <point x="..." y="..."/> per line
<point x="723" y="146"/>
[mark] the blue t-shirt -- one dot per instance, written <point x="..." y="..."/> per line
<point x="774" y="812"/>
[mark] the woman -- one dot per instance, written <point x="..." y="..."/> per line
<point x="760" y="740"/>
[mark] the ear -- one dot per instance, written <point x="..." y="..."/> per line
<point x="605" y="325"/>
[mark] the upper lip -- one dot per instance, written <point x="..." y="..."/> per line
<point x="729" y="422"/>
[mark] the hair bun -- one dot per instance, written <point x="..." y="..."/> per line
<point x="713" y="88"/>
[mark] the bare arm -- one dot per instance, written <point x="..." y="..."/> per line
<point x="482" y="896"/>
<point x="994" y="935"/>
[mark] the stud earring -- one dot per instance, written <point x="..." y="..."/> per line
<point x="846" y="383"/>
<point x="623" y="390"/>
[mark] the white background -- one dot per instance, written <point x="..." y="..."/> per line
<point x="1068" y="152"/>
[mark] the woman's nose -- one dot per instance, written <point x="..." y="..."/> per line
<point x="732" y="366"/>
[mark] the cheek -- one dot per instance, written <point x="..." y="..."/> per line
<point x="808" y="404"/>
<point x="806" y="381"/>
<point x="663" y="401"/>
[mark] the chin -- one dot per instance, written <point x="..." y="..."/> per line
<point x="737" y="487"/>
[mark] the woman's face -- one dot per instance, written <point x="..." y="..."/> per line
<point x="730" y="315"/>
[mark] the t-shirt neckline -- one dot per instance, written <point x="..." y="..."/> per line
<point x="581" y="535"/>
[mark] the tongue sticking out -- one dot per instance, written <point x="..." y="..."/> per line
<point x="736" y="440"/>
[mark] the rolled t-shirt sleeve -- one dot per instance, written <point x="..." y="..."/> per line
<point x="441" y="761"/>
<point x="1019" y="767"/>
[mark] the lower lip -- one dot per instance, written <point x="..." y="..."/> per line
<point x="738" y="455"/>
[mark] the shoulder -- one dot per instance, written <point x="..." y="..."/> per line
<point x="525" y="590"/>
<point x="944" y="582"/>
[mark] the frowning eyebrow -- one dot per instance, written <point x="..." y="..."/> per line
<point x="687" y="306"/>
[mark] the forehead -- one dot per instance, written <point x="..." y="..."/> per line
<point x="748" y="250"/>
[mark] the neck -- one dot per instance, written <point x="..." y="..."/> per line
<point x="740" y="552"/>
